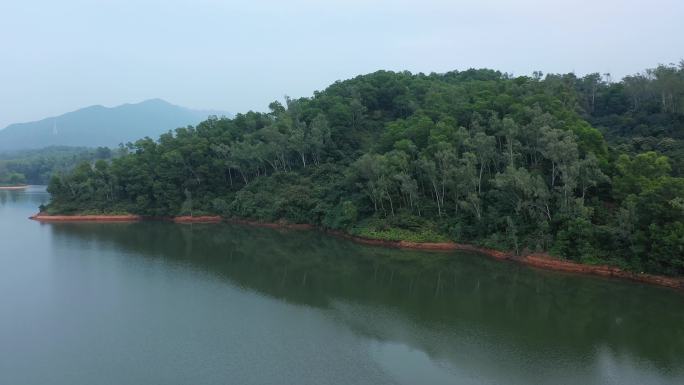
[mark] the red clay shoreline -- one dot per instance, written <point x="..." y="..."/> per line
<point x="124" y="218"/>
<point x="40" y="217"/>
<point x="537" y="260"/>
<point x="19" y="187"/>
<point x="271" y="225"/>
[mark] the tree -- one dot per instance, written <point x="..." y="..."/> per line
<point x="16" y="178"/>
<point x="574" y="240"/>
<point x="639" y="173"/>
<point x="484" y="148"/>
<point x="510" y="131"/>
<point x="319" y="137"/>
<point x="369" y="169"/>
<point x="590" y="174"/>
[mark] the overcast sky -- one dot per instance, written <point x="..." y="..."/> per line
<point x="58" y="56"/>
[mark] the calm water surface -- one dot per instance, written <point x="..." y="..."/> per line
<point x="158" y="303"/>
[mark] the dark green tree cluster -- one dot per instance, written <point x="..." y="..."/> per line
<point x="37" y="166"/>
<point x="643" y="112"/>
<point x="12" y="179"/>
<point x="477" y="156"/>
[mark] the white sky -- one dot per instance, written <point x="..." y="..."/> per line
<point x="58" y="56"/>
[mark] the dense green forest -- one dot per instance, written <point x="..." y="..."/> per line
<point x="37" y="166"/>
<point x="586" y="168"/>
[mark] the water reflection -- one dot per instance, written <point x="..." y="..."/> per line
<point x="461" y="310"/>
<point x="32" y="196"/>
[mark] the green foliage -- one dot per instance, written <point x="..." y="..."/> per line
<point x="399" y="228"/>
<point x="343" y="216"/>
<point x="12" y="179"/>
<point x="37" y="166"/>
<point x="475" y="156"/>
<point x="574" y="240"/>
<point x="639" y="173"/>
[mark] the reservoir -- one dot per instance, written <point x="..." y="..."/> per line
<point x="162" y="303"/>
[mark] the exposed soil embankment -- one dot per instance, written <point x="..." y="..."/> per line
<point x="547" y="262"/>
<point x="537" y="260"/>
<point x="20" y="187"/>
<point x="197" y="219"/>
<point x="85" y="218"/>
<point x="124" y="218"/>
<point x="435" y="246"/>
<point x="270" y="225"/>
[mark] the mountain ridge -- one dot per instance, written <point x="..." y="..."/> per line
<point x="97" y="125"/>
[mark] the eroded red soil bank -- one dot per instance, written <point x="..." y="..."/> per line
<point x="85" y="218"/>
<point x="270" y="225"/>
<point x="547" y="262"/>
<point x="22" y="187"/>
<point x="124" y="218"/>
<point x="537" y="260"/>
<point x="197" y="219"/>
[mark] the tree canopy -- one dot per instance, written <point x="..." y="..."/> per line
<point x="37" y="166"/>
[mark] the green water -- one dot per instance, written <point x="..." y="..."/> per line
<point x="158" y="303"/>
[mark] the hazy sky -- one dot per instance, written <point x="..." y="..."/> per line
<point x="57" y="56"/>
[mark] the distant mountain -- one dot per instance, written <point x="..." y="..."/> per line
<point x="102" y="126"/>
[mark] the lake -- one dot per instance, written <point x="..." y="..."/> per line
<point x="160" y="303"/>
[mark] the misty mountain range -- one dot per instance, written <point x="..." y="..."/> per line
<point x="102" y="126"/>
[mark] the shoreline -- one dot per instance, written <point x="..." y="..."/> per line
<point x="197" y="219"/>
<point x="40" y="217"/>
<point x="270" y="225"/>
<point x="124" y="218"/>
<point x="535" y="260"/>
<point x="19" y="187"/>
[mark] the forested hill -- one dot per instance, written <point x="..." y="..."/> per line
<point x="101" y="126"/>
<point x="514" y="163"/>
